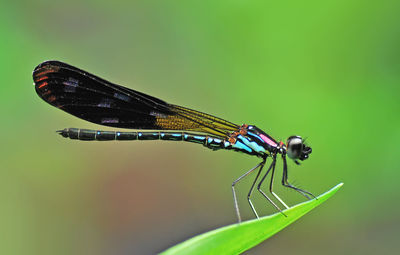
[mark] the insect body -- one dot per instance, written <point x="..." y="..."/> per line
<point x="99" y="101"/>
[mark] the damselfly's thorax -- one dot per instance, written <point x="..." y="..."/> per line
<point x="254" y="140"/>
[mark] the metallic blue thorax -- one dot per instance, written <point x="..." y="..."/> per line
<point x="249" y="145"/>
<point x="255" y="142"/>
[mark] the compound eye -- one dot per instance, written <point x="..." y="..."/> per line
<point x="294" y="147"/>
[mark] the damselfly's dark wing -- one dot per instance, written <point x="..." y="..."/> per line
<point x="99" y="101"/>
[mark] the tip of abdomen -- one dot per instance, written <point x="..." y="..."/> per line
<point x="63" y="133"/>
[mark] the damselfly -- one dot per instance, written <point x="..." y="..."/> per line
<point x="99" y="101"/>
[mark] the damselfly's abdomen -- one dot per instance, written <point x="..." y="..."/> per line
<point x="210" y="142"/>
<point x="97" y="135"/>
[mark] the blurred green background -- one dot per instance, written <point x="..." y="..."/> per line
<point x="326" y="70"/>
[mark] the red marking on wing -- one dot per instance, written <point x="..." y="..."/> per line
<point x="46" y="70"/>
<point x="51" y="99"/>
<point x="42" y="85"/>
<point x="41" y="78"/>
<point x="48" y="92"/>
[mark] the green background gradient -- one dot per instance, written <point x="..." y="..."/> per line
<point x="325" y="70"/>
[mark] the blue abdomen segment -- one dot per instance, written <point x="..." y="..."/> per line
<point x="171" y="136"/>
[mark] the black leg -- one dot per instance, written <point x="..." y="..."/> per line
<point x="271" y="186"/>
<point x="252" y="187"/>
<point x="236" y="181"/>
<point x="287" y="184"/>
<point x="272" y="166"/>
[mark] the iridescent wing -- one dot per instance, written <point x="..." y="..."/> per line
<point x="96" y="100"/>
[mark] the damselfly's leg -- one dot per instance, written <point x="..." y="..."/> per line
<point x="272" y="166"/>
<point x="271" y="185"/>
<point x="252" y="187"/>
<point x="237" y="180"/>
<point x="287" y="184"/>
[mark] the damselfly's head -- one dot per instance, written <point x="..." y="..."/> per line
<point x="297" y="149"/>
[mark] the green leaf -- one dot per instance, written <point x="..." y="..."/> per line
<point x="237" y="238"/>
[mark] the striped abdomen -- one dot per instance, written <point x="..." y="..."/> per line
<point x="97" y="135"/>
